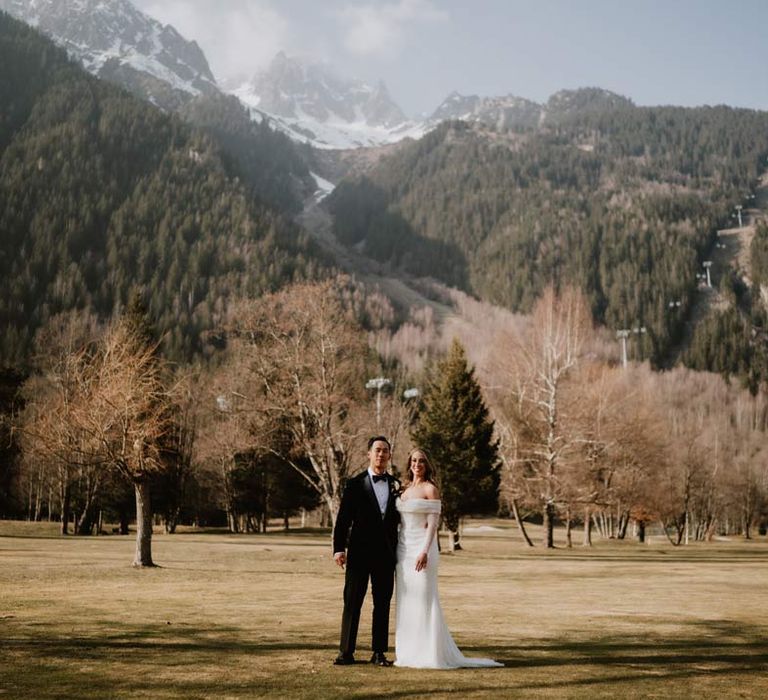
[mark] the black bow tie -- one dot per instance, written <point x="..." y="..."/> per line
<point x="379" y="477"/>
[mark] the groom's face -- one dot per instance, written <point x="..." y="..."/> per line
<point x="378" y="456"/>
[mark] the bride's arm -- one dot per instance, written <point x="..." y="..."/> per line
<point x="431" y="529"/>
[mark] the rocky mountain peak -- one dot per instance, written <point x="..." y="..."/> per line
<point x="311" y="102"/>
<point x="290" y="87"/>
<point x="116" y="41"/>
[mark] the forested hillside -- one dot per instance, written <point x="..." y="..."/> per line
<point x="267" y="159"/>
<point x="623" y="201"/>
<point x="101" y="193"/>
<point x="734" y="340"/>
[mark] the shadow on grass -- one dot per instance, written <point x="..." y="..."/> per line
<point x="273" y="532"/>
<point x="638" y="556"/>
<point x="710" y="649"/>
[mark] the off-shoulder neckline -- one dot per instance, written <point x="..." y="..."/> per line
<point x="405" y="500"/>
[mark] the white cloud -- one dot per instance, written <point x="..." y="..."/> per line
<point x="382" y="28"/>
<point x="238" y="37"/>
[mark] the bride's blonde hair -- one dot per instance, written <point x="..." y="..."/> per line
<point x="429" y="474"/>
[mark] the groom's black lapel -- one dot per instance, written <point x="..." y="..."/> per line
<point x="368" y="488"/>
<point x="392" y="484"/>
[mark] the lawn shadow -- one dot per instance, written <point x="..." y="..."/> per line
<point x="233" y="659"/>
<point x="711" y="648"/>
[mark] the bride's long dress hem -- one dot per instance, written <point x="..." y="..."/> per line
<point x="422" y="638"/>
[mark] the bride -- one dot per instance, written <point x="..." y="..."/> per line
<point x="422" y="639"/>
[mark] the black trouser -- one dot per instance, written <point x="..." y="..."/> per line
<point x="382" y="576"/>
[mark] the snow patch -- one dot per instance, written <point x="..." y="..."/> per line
<point x="324" y="187"/>
<point x="333" y="133"/>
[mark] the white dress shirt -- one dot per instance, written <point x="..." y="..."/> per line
<point x="381" y="489"/>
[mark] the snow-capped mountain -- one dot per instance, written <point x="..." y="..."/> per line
<point x="307" y="101"/>
<point x="502" y="112"/>
<point x="311" y="104"/>
<point x="117" y="42"/>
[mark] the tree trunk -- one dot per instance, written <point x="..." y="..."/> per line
<point x="623" y="523"/>
<point x="453" y="540"/>
<point x="232" y="521"/>
<point x="641" y="531"/>
<point x="143" y="556"/>
<point x="328" y="515"/>
<point x="549" y="525"/>
<point x="669" y="537"/>
<point x="171" y="520"/>
<point x="124" y="522"/>
<point x="39" y="496"/>
<point x="84" y="524"/>
<point x="520" y="525"/>
<point x="587" y="541"/>
<point x="29" y="501"/>
<point x="747" y="525"/>
<point x="65" y="500"/>
<point x="568" y="538"/>
<point x="286" y="522"/>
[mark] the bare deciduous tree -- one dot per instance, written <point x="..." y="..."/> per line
<point x="56" y="448"/>
<point x="226" y="409"/>
<point x="129" y="417"/>
<point x="534" y="397"/>
<point x="307" y="362"/>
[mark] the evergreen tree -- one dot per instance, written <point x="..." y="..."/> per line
<point x="136" y="317"/>
<point x="759" y="254"/>
<point x="455" y="429"/>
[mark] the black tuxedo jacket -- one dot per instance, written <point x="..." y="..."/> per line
<point x="360" y="529"/>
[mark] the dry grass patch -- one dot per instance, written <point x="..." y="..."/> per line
<point x="257" y="616"/>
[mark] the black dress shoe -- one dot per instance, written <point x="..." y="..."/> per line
<point x="379" y="659"/>
<point x="344" y="660"/>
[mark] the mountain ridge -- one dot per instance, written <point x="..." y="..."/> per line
<point x="306" y="100"/>
<point x="117" y="42"/>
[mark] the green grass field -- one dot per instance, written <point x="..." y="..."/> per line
<point x="257" y="616"/>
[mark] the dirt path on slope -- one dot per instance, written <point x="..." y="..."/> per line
<point x="319" y="223"/>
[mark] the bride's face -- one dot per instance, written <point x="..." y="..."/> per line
<point x="418" y="465"/>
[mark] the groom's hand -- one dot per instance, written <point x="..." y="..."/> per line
<point x="340" y="558"/>
<point x="421" y="561"/>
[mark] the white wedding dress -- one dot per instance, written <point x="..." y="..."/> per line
<point x="422" y="639"/>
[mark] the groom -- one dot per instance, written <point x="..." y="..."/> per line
<point x="365" y="539"/>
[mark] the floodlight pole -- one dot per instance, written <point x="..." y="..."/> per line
<point x="622" y="335"/>
<point x="707" y="264"/>
<point x="378" y="383"/>
<point x="738" y="213"/>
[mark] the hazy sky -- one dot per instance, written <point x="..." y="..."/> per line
<point x="685" y="52"/>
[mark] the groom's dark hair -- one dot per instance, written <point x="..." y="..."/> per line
<point x="376" y="439"/>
